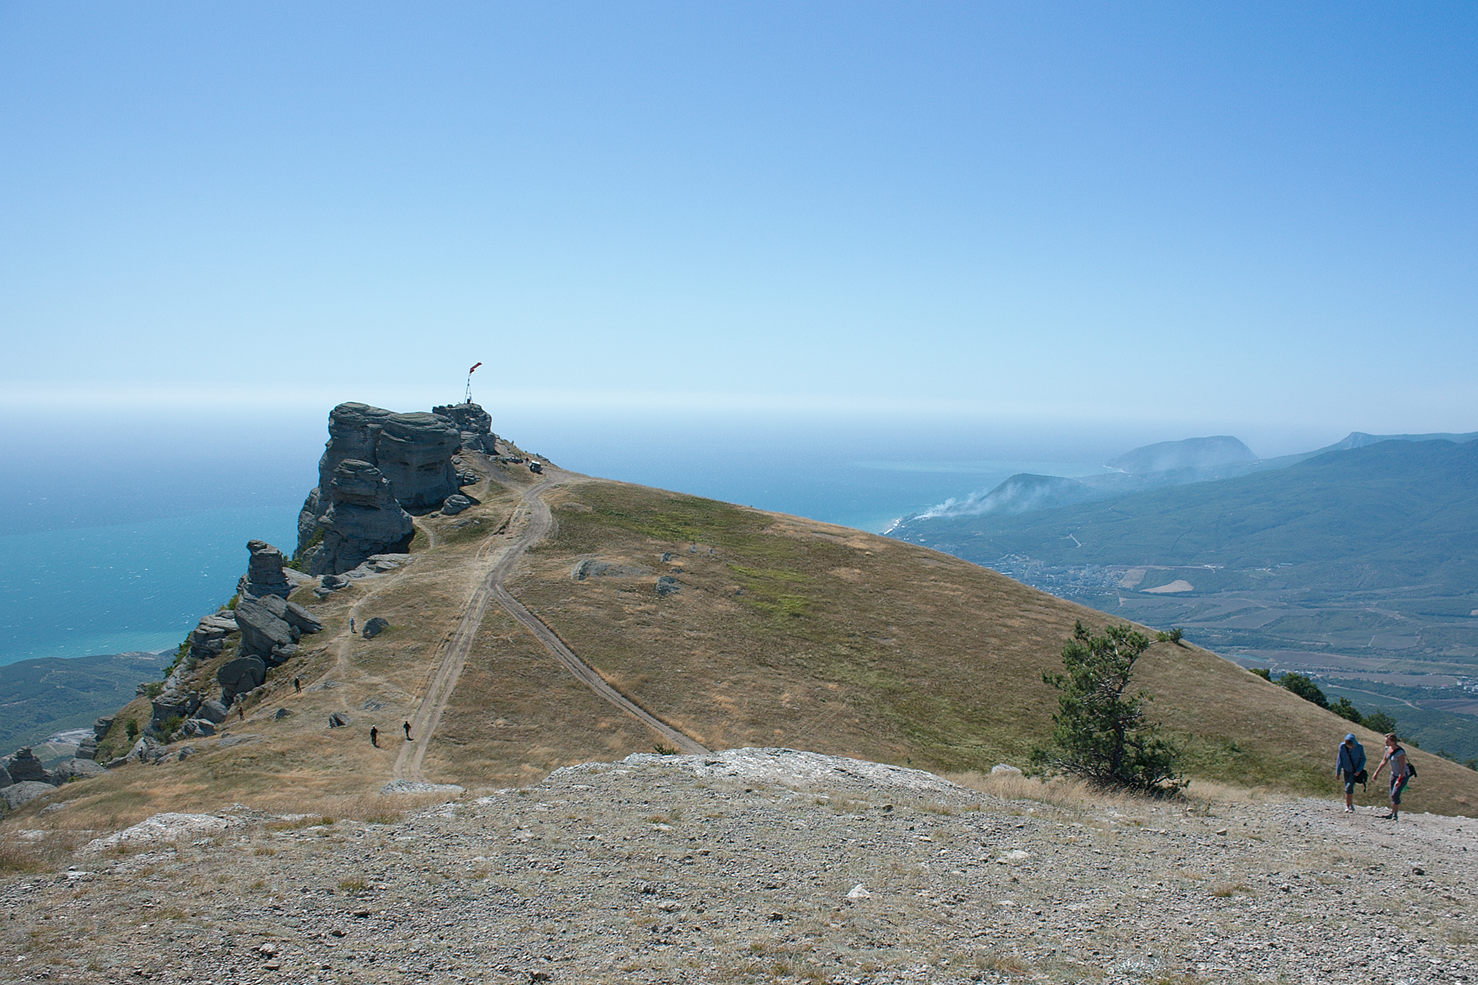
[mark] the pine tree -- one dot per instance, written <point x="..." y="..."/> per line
<point x="1100" y="733"/>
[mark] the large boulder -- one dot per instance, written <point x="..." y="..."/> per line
<point x="79" y="769"/>
<point x="264" y="574"/>
<point x="240" y="676"/>
<point x="212" y="711"/>
<point x="24" y="792"/>
<point x="262" y="625"/>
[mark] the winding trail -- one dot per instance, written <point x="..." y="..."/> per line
<point x="533" y="521"/>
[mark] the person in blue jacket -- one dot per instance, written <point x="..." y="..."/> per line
<point x="1350" y="765"/>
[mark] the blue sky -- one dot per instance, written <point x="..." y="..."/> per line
<point x="1174" y="218"/>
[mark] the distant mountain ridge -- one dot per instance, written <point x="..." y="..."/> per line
<point x="1355" y="564"/>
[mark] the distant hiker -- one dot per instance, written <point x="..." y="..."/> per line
<point x="1350" y="764"/>
<point x="1401" y="771"/>
<point x="241" y="711"/>
<point x="298" y="685"/>
<point x="374" y="737"/>
<point x="407" y="731"/>
<point x="351" y="624"/>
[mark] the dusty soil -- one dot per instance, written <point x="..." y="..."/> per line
<point x="761" y="866"/>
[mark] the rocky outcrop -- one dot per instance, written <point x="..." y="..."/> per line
<point x="240" y="676"/>
<point x="413" y="453"/>
<point x="264" y="572"/>
<point x="5" y="779"/>
<point x="23" y="792"/>
<point x="363" y="518"/>
<point x="474" y="425"/>
<point x="24" y="767"/>
<point x="270" y="625"/>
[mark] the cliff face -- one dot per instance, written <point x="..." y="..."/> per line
<point x="377" y="466"/>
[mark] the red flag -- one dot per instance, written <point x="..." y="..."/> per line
<point x="474" y="366"/>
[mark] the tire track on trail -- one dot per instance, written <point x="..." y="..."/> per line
<point x="537" y="522"/>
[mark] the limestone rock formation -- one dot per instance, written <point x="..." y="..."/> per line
<point x="363" y="518"/>
<point x="474" y="424"/>
<point x="270" y="625"/>
<point x="23" y="792"/>
<point x="413" y="453"/>
<point x="24" y="767"/>
<point x="264" y="574"/>
<point x="455" y="504"/>
<point x="240" y="676"/>
<point x="5" y="779"/>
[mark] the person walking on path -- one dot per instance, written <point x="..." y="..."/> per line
<point x="375" y="736"/>
<point x="407" y="727"/>
<point x="1350" y="764"/>
<point x="1400" y="773"/>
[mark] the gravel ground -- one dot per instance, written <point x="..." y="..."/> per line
<point x="761" y="866"/>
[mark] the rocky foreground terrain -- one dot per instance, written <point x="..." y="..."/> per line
<point x="760" y="866"/>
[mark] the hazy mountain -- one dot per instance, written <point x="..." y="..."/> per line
<point x="1356" y="564"/>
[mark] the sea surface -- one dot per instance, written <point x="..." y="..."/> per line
<point x="83" y="573"/>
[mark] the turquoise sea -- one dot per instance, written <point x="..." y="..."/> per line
<point x="83" y="574"/>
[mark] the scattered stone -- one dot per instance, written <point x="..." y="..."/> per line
<point x="1004" y="769"/>
<point x="282" y="713"/>
<point x="858" y="892"/>
<point x="418" y="786"/>
<point x="337" y="720"/>
<point x="668" y="585"/>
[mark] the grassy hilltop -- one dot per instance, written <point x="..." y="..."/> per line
<point x="782" y="632"/>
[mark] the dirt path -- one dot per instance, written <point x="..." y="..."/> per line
<point x="532" y="520"/>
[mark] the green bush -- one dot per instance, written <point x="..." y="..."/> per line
<point x="1304" y="686"/>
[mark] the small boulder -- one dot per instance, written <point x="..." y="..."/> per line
<point x="338" y="720"/>
<point x="1004" y="769"/>
<point x="281" y="713"/>
<point x="455" y="504"/>
<point x="668" y="585"/>
<point x="375" y="627"/>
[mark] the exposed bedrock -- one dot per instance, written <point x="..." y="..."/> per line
<point x="412" y="451"/>
<point x="363" y="518"/>
<point x="473" y="423"/>
<point x="264" y="574"/>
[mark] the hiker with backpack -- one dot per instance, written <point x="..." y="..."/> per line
<point x="1350" y="764"/>
<point x="1401" y="772"/>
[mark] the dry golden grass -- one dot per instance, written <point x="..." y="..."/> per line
<point x="785" y="632"/>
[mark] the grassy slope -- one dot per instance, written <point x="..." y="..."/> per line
<point x="785" y="632"/>
<point x="796" y="633"/>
